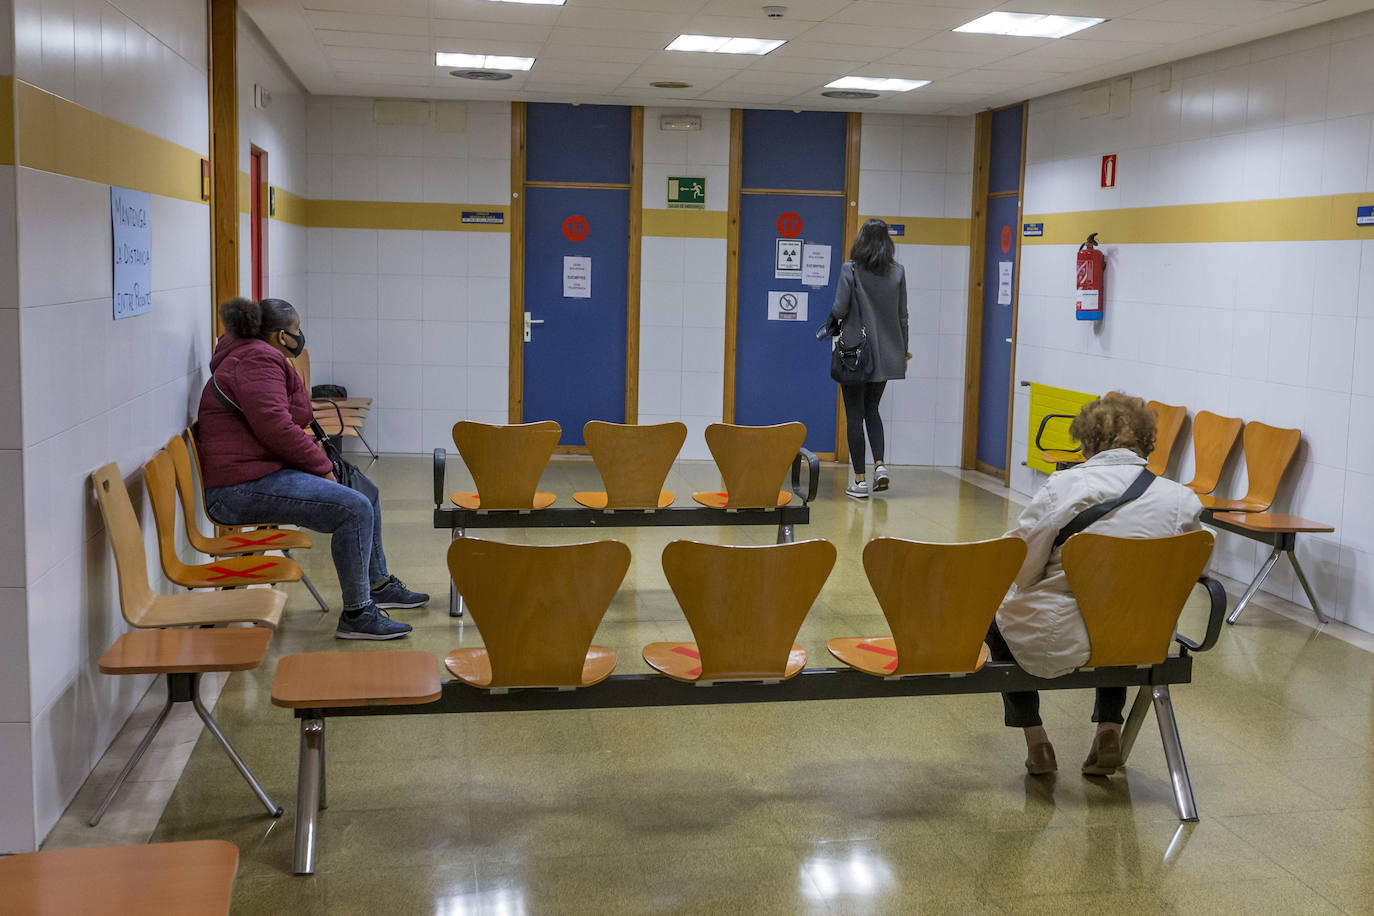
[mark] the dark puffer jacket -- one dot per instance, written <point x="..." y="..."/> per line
<point x="257" y="377"/>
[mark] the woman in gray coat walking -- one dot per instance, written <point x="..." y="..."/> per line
<point x="870" y="304"/>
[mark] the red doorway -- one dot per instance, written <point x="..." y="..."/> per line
<point x="257" y="220"/>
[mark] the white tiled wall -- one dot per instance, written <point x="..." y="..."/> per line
<point x="921" y="167"/>
<point x="93" y="390"/>
<point x="418" y="320"/>
<point x="1273" y="331"/>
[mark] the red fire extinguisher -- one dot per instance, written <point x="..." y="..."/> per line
<point x="1092" y="266"/>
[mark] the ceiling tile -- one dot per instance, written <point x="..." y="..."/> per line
<point x="483" y="31"/>
<point x="654" y="41"/>
<point x="356" y="22"/>
<point x="1141" y="30"/>
<point x="808" y="10"/>
<point x="964" y="43"/>
<point x="897" y="15"/>
<point x="917" y="57"/>
<point x="1214" y="12"/>
<point x="373" y="40"/>
<point x="336" y="52"/>
<point x="824" y="50"/>
<point x="866" y="35"/>
<point x="418" y="8"/>
<point x="486" y="11"/>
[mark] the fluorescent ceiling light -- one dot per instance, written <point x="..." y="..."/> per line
<point x="719" y="44"/>
<point x="482" y="61"/>
<point x="876" y="84"/>
<point x="1028" y="25"/>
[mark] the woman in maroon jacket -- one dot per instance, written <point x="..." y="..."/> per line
<point x="260" y="464"/>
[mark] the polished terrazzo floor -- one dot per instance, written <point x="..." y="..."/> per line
<point x="902" y="805"/>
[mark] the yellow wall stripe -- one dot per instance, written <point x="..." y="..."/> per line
<point x="928" y="230"/>
<point x="290" y="208"/>
<point x="368" y="214"/>
<point x="690" y="224"/>
<point x="1288" y="219"/>
<point x="59" y="136"/>
<point x="6" y="120"/>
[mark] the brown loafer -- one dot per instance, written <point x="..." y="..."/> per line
<point x="1104" y="758"/>
<point x="1040" y="759"/>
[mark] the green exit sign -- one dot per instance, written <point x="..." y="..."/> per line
<point x="686" y="193"/>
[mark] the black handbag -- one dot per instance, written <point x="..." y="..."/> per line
<point x="852" y="364"/>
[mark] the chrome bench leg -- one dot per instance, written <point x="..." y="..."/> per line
<point x="272" y="808"/>
<point x="455" y="600"/>
<point x="314" y="592"/>
<point x="308" y="786"/>
<point x="786" y="534"/>
<point x="1255" y="585"/>
<point x="133" y="761"/>
<point x="1311" y="595"/>
<point x="1173" y="754"/>
<point x="1134" y="719"/>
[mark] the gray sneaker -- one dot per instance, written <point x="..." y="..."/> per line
<point x="880" y="479"/>
<point x="858" y="489"/>
<point x="372" y="623"/>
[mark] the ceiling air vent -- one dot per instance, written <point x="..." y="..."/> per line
<point x="670" y="84"/>
<point x="490" y="75"/>
<point x="848" y="94"/>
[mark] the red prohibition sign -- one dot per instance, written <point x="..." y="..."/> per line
<point x="789" y="225"/>
<point x="575" y="228"/>
<point x="1006" y="239"/>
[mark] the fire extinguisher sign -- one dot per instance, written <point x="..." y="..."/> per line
<point x="1109" y="171"/>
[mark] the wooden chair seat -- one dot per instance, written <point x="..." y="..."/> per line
<point x="350" y="421"/>
<point x="681" y="661"/>
<point x="938" y="598"/>
<point x="877" y="655"/>
<point x="331" y="427"/>
<point x="150" y="879"/>
<point x="598" y="500"/>
<point x="473" y="666"/>
<point x="263" y="539"/>
<point x="721" y="500"/>
<point x="186" y="651"/>
<point x="319" y="680"/>
<point x="506" y="463"/>
<point x="1059" y="456"/>
<point x="1273" y="522"/>
<point x="144" y="608"/>
<point x="474" y="501"/>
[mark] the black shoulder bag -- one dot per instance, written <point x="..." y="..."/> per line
<point x="1091" y="514"/>
<point x="345" y="471"/>
<point x="851" y="364"/>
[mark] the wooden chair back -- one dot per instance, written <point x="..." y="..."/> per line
<point x="302" y="366"/>
<point x="745" y="605"/>
<point x="1132" y="590"/>
<point x="1168" y="422"/>
<point x="537" y="607"/>
<point x="180" y="456"/>
<point x="939" y="599"/>
<point x="506" y="461"/>
<point x="754" y="460"/>
<point x="1268" y="452"/>
<point x="126" y="540"/>
<point x="634" y="461"/>
<point x="1213" y="437"/>
<point x="159" y="478"/>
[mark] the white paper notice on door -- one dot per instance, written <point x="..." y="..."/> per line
<point x="577" y="277"/>
<point x="815" y="265"/>
<point x="1004" y="282"/>
<point x="787" y="306"/>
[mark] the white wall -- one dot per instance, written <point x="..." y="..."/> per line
<point x="417" y="320"/>
<point x="1276" y="331"/>
<point x="918" y="167"/>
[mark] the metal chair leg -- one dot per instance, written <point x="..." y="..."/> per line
<point x="324" y="769"/>
<point x="272" y="808"/>
<point x="308" y="796"/>
<point x="1134" y="719"/>
<point x="1311" y="595"/>
<point x="370" y="449"/>
<point x="314" y="592"/>
<point x="786" y="534"/>
<point x="1255" y="585"/>
<point x="133" y="761"/>
<point x="1173" y="754"/>
<point x="455" y="600"/>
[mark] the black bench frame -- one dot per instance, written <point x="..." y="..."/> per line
<point x="626" y="691"/>
<point x="459" y="520"/>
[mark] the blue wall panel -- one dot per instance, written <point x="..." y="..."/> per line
<point x="577" y="143"/>
<point x="797" y="151"/>
<point x="1004" y="167"/>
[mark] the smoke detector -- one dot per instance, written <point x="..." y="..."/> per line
<point x="775" y="12"/>
<point x="848" y="94"/>
<point x="487" y="75"/>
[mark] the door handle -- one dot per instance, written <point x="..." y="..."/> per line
<point x="528" y="322"/>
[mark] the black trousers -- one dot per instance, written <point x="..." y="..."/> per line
<point x="1021" y="708"/>
<point x="860" y="410"/>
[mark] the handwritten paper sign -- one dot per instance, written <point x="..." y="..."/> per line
<point x="132" y="221"/>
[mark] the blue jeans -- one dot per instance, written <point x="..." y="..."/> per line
<point x="291" y="497"/>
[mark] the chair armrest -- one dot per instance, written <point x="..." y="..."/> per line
<point x="813" y="468"/>
<point x="440" y="459"/>
<point x="1041" y="431"/>
<point x="1215" y="618"/>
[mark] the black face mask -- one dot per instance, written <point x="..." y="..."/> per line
<point x="299" y="346"/>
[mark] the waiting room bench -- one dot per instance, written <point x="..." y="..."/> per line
<point x="537" y="630"/>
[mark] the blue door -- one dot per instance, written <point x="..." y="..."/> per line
<point x="576" y="278"/>
<point x="792" y="188"/>
<point x="999" y="289"/>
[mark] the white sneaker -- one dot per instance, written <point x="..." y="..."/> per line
<point x="858" y="489"/>
<point x="880" y="479"/>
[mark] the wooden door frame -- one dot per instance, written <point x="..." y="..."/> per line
<point x="258" y="214"/>
<point x="634" y="255"/>
<point x="973" y="338"/>
<point x="222" y="18"/>
<point x="853" y="142"/>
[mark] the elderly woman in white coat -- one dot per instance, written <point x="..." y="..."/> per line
<point x="1039" y="625"/>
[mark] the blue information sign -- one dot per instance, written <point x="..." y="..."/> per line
<point x="1364" y="216"/>
<point x="132" y="222"/>
<point x="898" y="229"/>
<point x="1032" y="230"/>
